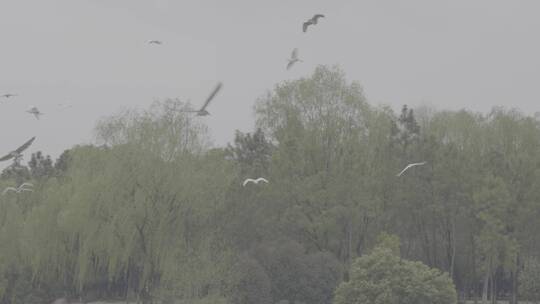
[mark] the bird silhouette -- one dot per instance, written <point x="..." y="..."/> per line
<point x="294" y="58"/>
<point x="410" y="166"/>
<point x="311" y="21"/>
<point x="202" y="111"/>
<point x="17" y="153"/>
<point x="154" y="42"/>
<point x="34" y="111"/>
<point x="8" y="95"/>
<point x="19" y="189"/>
<point x="255" y="181"/>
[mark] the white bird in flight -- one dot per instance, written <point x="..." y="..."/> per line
<point x="35" y="111"/>
<point x="17" y="153"/>
<point x="19" y="189"/>
<point x="410" y="166"/>
<point x="154" y="42"/>
<point x="311" y="21"/>
<point x="255" y="181"/>
<point x="202" y="111"/>
<point x="294" y="58"/>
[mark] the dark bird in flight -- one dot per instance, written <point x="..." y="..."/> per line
<point x="8" y="95"/>
<point x="294" y="58"/>
<point x="34" y="111"/>
<point x="17" y="153"/>
<point x="311" y="21"/>
<point x="154" y="42"/>
<point x="202" y="111"/>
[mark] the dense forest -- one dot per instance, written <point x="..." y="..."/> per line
<point x="154" y="210"/>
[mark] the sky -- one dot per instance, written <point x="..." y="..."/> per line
<point x="93" y="54"/>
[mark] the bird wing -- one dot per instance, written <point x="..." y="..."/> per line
<point x="6" y="157"/>
<point x="290" y="64"/>
<point x="402" y="171"/>
<point x="411" y="165"/>
<point x="8" y="189"/>
<point x="24" y="146"/>
<point x="262" y="179"/>
<point x="317" y="16"/>
<point x="214" y="92"/>
<point x="305" y="25"/>
<point x="294" y="54"/>
<point x="247" y="181"/>
<point x="26" y="184"/>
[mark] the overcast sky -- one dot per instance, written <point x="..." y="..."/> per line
<point x="456" y="54"/>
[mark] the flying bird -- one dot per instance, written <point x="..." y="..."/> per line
<point x="19" y="189"/>
<point x="311" y="21"/>
<point x="17" y="153"/>
<point x="154" y="42"/>
<point x="410" y="166"/>
<point x="8" y="95"/>
<point x="294" y="58"/>
<point x="255" y="181"/>
<point x="35" y="111"/>
<point x="202" y="111"/>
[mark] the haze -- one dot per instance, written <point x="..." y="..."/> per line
<point x="93" y="54"/>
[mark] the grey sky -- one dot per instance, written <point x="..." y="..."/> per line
<point x="93" y="54"/>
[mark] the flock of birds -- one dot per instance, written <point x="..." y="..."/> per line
<point x="16" y="154"/>
<point x="32" y="110"/>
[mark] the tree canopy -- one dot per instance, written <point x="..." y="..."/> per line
<point x="153" y="210"/>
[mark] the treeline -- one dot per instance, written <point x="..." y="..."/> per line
<point x="152" y="211"/>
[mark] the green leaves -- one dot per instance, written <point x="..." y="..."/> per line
<point x="155" y="211"/>
<point x="383" y="277"/>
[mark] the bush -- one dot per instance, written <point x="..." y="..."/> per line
<point x="382" y="277"/>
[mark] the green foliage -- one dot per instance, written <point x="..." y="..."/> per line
<point x="252" y="153"/>
<point x="389" y="241"/>
<point x="40" y="166"/>
<point x="249" y="282"/>
<point x="155" y="212"/>
<point x="529" y="281"/>
<point x="383" y="277"/>
<point x="297" y="276"/>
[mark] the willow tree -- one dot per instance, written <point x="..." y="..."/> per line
<point x="137" y="213"/>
